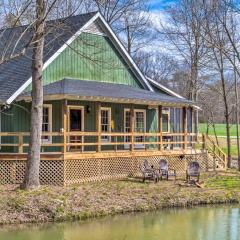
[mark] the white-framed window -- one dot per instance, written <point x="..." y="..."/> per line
<point x="47" y="122"/>
<point x="166" y="120"/>
<point x="105" y="123"/>
<point x="127" y="125"/>
<point x="139" y="124"/>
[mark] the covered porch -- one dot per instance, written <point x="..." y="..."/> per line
<point x="93" y="117"/>
<point x="94" y="131"/>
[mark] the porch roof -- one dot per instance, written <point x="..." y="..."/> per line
<point x="100" y="91"/>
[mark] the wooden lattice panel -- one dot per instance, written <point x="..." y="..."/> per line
<point x="82" y="170"/>
<point x="60" y="172"/>
<point x="52" y="172"/>
<point x="12" y="172"/>
<point x="78" y="170"/>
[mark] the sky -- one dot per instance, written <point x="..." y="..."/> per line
<point x="156" y="5"/>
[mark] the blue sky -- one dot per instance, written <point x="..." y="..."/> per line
<point x="160" y="4"/>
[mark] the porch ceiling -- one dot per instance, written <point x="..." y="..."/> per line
<point x="99" y="91"/>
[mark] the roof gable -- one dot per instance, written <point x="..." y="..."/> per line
<point x="91" y="57"/>
<point x="15" y="75"/>
<point x="164" y="89"/>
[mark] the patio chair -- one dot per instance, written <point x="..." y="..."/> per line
<point x="193" y="170"/>
<point x="148" y="172"/>
<point x="165" y="170"/>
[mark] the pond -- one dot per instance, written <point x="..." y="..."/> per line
<point x="201" y="223"/>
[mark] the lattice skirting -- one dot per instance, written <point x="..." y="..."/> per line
<point x="66" y="172"/>
<point x="83" y="170"/>
<point x="51" y="172"/>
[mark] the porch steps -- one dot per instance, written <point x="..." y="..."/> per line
<point x="215" y="154"/>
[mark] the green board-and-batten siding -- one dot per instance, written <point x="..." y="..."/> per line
<point x="17" y="118"/>
<point x="93" y="58"/>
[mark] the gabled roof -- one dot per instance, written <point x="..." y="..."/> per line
<point x="164" y="89"/>
<point x="92" y="90"/>
<point x="169" y="91"/>
<point x="15" y="75"/>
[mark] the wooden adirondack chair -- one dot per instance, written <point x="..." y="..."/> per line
<point x="193" y="170"/>
<point x="165" y="170"/>
<point x="148" y="172"/>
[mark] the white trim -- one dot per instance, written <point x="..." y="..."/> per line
<point x="127" y="145"/>
<point x="109" y="123"/>
<point x="95" y="33"/>
<point x="56" y="54"/>
<point x="167" y="112"/>
<point x="168" y="91"/>
<point x="75" y="107"/>
<point x="49" y="106"/>
<point x="139" y="145"/>
<point x="165" y="89"/>
<point x="52" y="58"/>
<point x="126" y="53"/>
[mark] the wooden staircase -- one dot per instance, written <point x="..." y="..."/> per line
<point x="215" y="153"/>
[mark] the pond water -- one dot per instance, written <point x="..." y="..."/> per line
<point x="201" y="223"/>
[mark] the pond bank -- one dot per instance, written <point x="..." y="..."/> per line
<point x="89" y="200"/>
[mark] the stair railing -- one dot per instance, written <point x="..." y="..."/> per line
<point x="211" y="146"/>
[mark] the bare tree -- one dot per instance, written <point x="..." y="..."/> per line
<point x="31" y="180"/>
<point x="129" y="19"/>
<point x="182" y="29"/>
<point x="218" y="44"/>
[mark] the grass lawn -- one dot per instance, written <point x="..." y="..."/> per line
<point x="220" y="129"/>
<point x="221" y="133"/>
<point x="96" y="199"/>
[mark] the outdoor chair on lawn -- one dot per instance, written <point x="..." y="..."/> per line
<point x="149" y="172"/>
<point x="193" y="170"/>
<point x="165" y="170"/>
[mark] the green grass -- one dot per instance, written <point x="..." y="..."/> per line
<point x="233" y="150"/>
<point x="220" y="129"/>
<point x="224" y="182"/>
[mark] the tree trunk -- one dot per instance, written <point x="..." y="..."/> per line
<point x="237" y="112"/>
<point x="226" y="119"/>
<point x="31" y="180"/>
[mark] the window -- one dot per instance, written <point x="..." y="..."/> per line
<point x="106" y="122"/>
<point x="127" y="126"/>
<point x="47" y="122"/>
<point x="139" y="123"/>
<point x="165" y="120"/>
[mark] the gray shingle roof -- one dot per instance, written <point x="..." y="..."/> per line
<point x="84" y="88"/>
<point x="15" y="73"/>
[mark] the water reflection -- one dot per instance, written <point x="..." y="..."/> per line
<point x="203" y="223"/>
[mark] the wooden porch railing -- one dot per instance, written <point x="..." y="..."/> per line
<point x="17" y="142"/>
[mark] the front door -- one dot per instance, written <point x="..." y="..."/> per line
<point x="75" y="117"/>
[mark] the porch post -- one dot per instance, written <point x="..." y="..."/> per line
<point x="132" y="127"/>
<point x="160" y="127"/>
<point x="98" y="126"/>
<point x="64" y="126"/>
<point x="185" y="127"/>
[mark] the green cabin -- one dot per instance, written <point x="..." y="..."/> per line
<point x="97" y="102"/>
